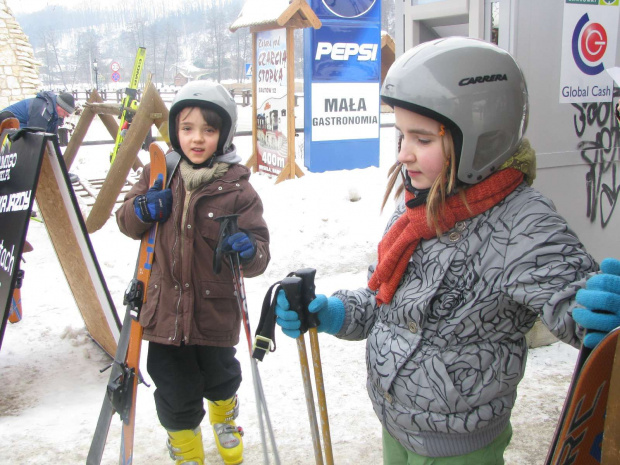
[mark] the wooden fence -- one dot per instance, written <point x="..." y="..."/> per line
<point x="242" y="96"/>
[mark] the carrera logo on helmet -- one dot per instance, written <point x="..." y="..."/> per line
<point x="480" y="79"/>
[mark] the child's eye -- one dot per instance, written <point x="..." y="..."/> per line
<point x="424" y="141"/>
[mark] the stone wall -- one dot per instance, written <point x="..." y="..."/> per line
<point x="19" y="76"/>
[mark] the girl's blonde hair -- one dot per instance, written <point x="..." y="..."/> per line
<point x="444" y="186"/>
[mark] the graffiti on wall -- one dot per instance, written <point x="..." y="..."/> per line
<point x="596" y="126"/>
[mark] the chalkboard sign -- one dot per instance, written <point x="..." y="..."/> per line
<point x="20" y="163"/>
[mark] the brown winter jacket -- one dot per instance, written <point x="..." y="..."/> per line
<point x="186" y="301"/>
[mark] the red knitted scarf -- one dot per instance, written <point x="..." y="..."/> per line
<point x="398" y="244"/>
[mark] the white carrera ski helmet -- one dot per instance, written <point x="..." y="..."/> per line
<point x="205" y="94"/>
<point x="474" y="88"/>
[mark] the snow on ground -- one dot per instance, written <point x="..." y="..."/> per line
<point x="52" y="387"/>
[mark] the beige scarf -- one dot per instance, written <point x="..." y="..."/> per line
<point x="193" y="178"/>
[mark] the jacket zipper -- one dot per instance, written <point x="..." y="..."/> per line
<point x="177" y="235"/>
<point x="178" y="284"/>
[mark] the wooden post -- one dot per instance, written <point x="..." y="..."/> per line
<point x="149" y="112"/>
<point x="252" y="163"/>
<point x="78" y="136"/>
<point x="86" y="118"/>
<point x="290" y="169"/>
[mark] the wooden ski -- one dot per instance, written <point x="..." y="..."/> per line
<point x="145" y="262"/>
<point x="579" y="435"/>
<point x="121" y="391"/>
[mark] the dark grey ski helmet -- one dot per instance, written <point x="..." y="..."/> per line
<point x="207" y="95"/>
<point x="473" y="87"/>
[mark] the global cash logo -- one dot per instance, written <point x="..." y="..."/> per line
<point x="589" y="44"/>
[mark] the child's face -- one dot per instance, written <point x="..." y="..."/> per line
<point x="421" y="148"/>
<point x="198" y="140"/>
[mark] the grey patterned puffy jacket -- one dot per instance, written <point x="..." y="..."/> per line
<point x="444" y="357"/>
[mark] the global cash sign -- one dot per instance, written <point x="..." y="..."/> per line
<point x="341" y="89"/>
<point x="589" y="36"/>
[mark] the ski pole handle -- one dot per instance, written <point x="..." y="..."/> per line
<point x="308" y="295"/>
<point x="228" y="227"/>
<point x="292" y="286"/>
<point x="228" y="224"/>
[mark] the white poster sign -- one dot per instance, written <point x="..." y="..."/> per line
<point x="589" y="37"/>
<point x="345" y="111"/>
<point x="271" y="118"/>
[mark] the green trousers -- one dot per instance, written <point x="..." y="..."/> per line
<point x="493" y="454"/>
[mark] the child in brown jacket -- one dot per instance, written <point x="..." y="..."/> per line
<point x="191" y="317"/>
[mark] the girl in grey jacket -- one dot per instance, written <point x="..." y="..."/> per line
<point x="470" y="259"/>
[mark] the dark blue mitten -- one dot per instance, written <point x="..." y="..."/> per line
<point x="244" y="244"/>
<point x="601" y="299"/>
<point x="329" y="310"/>
<point x="156" y="204"/>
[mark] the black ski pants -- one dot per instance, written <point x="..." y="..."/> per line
<point x="184" y="375"/>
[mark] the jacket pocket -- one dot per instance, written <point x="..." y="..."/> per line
<point x="445" y="398"/>
<point x="388" y="349"/>
<point x="153" y="292"/>
<point x="208" y="227"/>
<point x="217" y="315"/>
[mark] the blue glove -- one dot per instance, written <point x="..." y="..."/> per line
<point x="330" y="312"/>
<point x="601" y="299"/>
<point x="156" y="204"/>
<point x="241" y="242"/>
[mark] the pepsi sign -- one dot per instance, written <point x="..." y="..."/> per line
<point x="342" y="72"/>
<point x="347" y="53"/>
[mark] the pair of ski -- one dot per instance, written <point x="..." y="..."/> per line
<point x="122" y="385"/>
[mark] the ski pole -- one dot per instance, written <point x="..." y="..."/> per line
<point x="292" y="287"/>
<point x="261" y="403"/>
<point x="228" y="226"/>
<point x="308" y="295"/>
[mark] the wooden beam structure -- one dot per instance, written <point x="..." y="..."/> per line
<point x="152" y="111"/>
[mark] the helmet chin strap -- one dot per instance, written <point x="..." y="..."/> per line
<point x="420" y="194"/>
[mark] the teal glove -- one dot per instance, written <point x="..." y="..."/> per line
<point x="601" y="299"/>
<point x="329" y="310"/>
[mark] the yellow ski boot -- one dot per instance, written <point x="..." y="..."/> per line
<point x="186" y="447"/>
<point x="222" y="414"/>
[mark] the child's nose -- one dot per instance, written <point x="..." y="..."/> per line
<point x="405" y="154"/>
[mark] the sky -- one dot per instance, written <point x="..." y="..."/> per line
<point x="52" y="387"/>
<point x="29" y="6"/>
